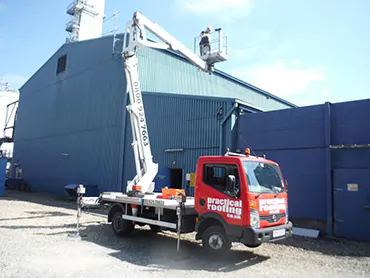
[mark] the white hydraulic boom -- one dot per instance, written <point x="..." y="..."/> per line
<point x="135" y="38"/>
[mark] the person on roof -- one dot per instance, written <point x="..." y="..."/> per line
<point x="205" y="41"/>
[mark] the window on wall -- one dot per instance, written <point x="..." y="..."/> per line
<point x="62" y="63"/>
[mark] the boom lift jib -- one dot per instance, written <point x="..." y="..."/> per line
<point x="136" y="38"/>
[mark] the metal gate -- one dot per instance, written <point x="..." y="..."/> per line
<point x="352" y="203"/>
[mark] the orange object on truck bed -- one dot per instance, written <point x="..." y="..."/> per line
<point x="167" y="193"/>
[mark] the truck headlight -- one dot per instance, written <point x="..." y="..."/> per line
<point x="254" y="219"/>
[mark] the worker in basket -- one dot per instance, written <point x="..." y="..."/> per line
<point x="205" y="41"/>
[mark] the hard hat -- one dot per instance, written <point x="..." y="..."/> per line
<point x="210" y="28"/>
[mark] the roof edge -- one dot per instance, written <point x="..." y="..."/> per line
<point x="219" y="72"/>
<point x="39" y="69"/>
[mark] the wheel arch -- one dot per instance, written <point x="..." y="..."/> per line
<point x="113" y="209"/>
<point x="207" y="220"/>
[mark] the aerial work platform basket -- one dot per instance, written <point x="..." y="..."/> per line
<point x="212" y="48"/>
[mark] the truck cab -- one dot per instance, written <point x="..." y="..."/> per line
<point x="240" y="198"/>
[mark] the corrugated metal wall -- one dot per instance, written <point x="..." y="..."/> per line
<point x="70" y="126"/>
<point x="161" y="72"/>
<point x="180" y="122"/>
<point x="295" y="139"/>
<point x="306" y="143"/>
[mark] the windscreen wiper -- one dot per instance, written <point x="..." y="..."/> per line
<point x="276" y="192"/>
<point x="259" y="194"/>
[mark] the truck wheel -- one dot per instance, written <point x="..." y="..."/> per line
<point x="155" y="228"/>
<point x="252" y="245"/>
<point x="215" y="241"/>
<point x="121" y="227"/>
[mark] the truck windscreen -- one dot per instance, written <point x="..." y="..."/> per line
<point x="263" y="177"/>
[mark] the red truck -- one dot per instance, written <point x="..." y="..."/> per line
<point x="238" y="198"/>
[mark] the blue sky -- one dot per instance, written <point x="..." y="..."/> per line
<point x="307" y="52"/>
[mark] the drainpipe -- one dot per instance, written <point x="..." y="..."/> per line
<point x="229" y="113"/>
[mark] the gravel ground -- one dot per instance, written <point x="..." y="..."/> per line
<point x="37" y="240"/>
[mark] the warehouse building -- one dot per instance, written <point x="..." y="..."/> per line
<point x="72" y="124"/>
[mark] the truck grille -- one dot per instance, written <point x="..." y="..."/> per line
<point x="271" y="218"/>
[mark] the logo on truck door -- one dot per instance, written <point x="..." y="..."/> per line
<point x="231" y="207"/>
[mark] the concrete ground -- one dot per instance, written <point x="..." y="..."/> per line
<point x="37" y="240"/>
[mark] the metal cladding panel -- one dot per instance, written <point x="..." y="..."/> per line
<point x="3" y="162"/>
<point x="283" y="129"/>
<point x="181" y="129"/>
<point x="351" y="158"/>
<point x="352" y="203"/>
<point x="350" y="122"/>
<point x="161" y="71"/>
<point x="49" y="164"/>
<point x="295" y="139"/>
<point x="69" y="127"/>
<point x="85" y="104"/>
<point x="299" y="139"/>
<point x="350" y="126"/>
<point x="304" y="170"/>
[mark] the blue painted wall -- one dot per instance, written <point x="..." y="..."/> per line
<point x="352" y="207"/>
<point x="3" y="162"/>
<point x="163" y="179"/>
<point x="180" y="122"/>
<point x="295" y="139"/>
<point x="71" y="126"/>
<point x="299" y="140"/>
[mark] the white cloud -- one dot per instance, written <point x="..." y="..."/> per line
<point x="248" y="52"/>
<point x="250" y="47"/>
<point x="324" y="92"/>
<point x="221" y="10"/>
<point x="280" y="50"/>
<point x="15" y="81"/>
<point x="263" y="34"/>
<point x="282" y="78"/>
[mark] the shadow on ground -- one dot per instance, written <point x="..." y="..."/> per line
<point x="333" y="247"/>
<point x="37" y="214"/>
<point x="45" y="199"/>
<point x="146" y="248"/>
<point x="159" y="250"/>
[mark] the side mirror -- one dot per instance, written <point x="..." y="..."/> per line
<point x="231" y="180"/>
<point x="286" y="186"/>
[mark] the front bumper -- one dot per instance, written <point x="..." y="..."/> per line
<point x="255" y="237"/>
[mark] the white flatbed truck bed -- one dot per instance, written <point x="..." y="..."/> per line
<point x="156" y="211"/>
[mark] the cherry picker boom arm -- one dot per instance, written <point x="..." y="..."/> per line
<point x="135" y="38"/>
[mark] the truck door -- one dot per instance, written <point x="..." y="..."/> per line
<point x="214" y="195"/>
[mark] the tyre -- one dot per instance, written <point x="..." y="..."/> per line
<point x="252" y="245"/>
<point x="120" y="226"/>
<point x="215" y="241"/>
<point x="155" y="228"/>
